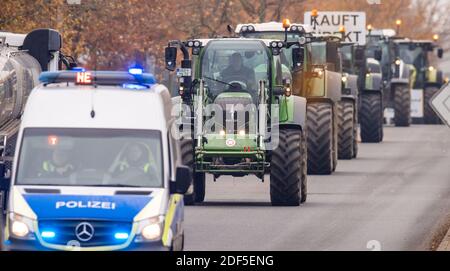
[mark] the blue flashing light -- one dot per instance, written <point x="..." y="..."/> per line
<point x="136" y="71"/>
<point x="121" y="235"/>
<point x="48" y="234"/>
<point x="78" y="69"/>
<point x="134" y="86"/>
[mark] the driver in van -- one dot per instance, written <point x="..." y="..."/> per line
<point x="237" y="71"/>
<point x="59" y="165"/>
<point x="136" y="163"/>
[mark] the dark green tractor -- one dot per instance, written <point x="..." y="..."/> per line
<point x="238" y="115"/>
<point x="427" y="79"/>
<point x="368" y="90"/>
<point x="396" y="74"/>
<point x="318" y="79"/>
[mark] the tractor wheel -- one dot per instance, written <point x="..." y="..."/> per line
<point x="199" y="187"/>
<point x="2" y="228"/>
<point x="402" y="106"/>
<point x="288" y="169"/>
<point x="371" y="118"/>
<point x="187" y="157"/>
<point x="355" y="136"/>
<point x="346" y="123"/>
<point x="334" y="150"/>
<point x="321" y="138"/>
<point x="429" y="116"/>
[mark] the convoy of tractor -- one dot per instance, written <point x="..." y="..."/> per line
<point x="274" y="99"/>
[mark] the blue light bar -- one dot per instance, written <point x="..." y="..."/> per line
<point x="121" y="235"/>
<point x="78" y="69"/>
<point x="48" y="234"/>
<point x="97" y="78"/>
<point x="136" y="71"/>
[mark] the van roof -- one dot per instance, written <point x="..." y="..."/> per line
<point x="66" y="105"/>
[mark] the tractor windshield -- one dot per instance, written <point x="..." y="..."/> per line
<point x="414" y="55"/>
<point x="234" y="66"/>
<point x="387" y="53"/>
<point x="347" y="58"/>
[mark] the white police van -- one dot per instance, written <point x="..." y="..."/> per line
<point x="95" y="167"/>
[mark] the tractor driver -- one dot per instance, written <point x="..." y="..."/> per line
<point x="237" y="71"/>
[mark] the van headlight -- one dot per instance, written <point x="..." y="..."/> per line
<point x="21" y="227"/>
<point x="150" y="229"/>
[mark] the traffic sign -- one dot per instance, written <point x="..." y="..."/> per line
<point x="440" y="103"/>
<point x="328" y="23"/>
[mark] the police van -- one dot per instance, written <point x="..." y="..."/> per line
<point x="95" y="167"/>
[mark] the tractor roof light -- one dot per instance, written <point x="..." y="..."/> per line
<point x="341" y="29"/>
<point x="369" y="27"/>
<point x="435" y="37"/>
<point x="286" y="23"/>
<point x="398" y="22"/>
<point x="314" y="13"/>
<point x="194" y="44"/>
<point x="248" y="28"/>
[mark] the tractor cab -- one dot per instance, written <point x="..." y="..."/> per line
<point x="236" y="108"/>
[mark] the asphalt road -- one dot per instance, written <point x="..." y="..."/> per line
<point x="392" y="197"/>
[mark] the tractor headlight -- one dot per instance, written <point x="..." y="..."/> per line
<point x="398" y="62"/>
<point x="21" y="227"/>
<point x="318" y="72"/>
<point x="344" y="79"/>
<point x="150" y="229"/>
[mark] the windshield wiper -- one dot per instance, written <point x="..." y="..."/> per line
<point x="218" y="81"/>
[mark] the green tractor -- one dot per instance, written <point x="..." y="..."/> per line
<point x="368" y="89"/>
<point x="318" y="79"/>
<point x="352" y="60"/>
<point x="396" y="74"/>
<point x="238" y="115"/>
<point x="427" y="80"/>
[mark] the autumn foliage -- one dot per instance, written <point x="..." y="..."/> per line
<point x="113" y="34"/>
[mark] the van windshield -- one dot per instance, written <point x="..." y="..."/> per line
<point x="90" y="157"/>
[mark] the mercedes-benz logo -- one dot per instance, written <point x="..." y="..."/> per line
<point x="84" y="231"/>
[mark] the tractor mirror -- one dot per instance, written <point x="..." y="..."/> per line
<point x="297" y="58"/>
<point x="378" y="55"/>
<point x="360" y="56"/>
<point x="440" y="53"/>
<point x="230" y="29"/>
<point x="171" y="58"/>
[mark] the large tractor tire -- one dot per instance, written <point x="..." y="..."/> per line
<point x="321" y="138"/>
<point x="196" y="192"/>
<point x="402" y="106"/>
<point x="288" y="169"/>
<point x="371" y="118"/>
<point x="2" y="228"/>
<point x="355" y="137"/>
<point x="429" y="116"/>
<point x="346" y="129"/>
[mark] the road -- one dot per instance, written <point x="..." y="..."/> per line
<point x="393" y="195"/>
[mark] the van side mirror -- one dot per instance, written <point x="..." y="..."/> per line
<point x="171" y="58"/>
<point x="298" y="56"/>
<point x="183" y="180"/>
<point x="440" y="53"/>
<point x="378" y="55"/>
<point x="5" y="180"/>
